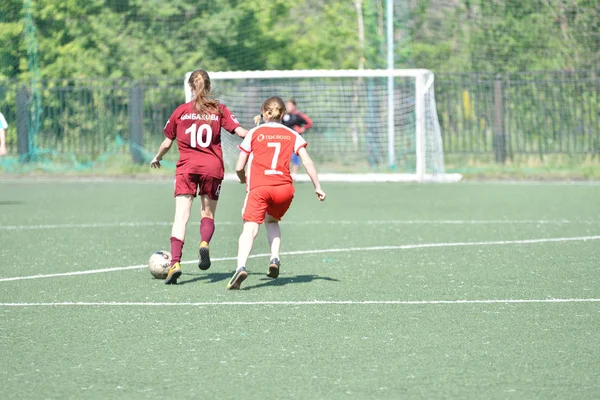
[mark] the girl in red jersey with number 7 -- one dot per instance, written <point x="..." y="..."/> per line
<point x="197" y="128"/>
<point x="268" y="149"/>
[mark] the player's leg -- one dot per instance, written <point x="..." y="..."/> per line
<point x="274" y="236"/>
<point x="210" y="189"/>
<point x="207" y="229"/>
<point x="282" y="197"/>
<point x="185" y="191"/>
<point x="254" y="215"/>
<point x="245" y="243"/>
<point x="183" y="205"/>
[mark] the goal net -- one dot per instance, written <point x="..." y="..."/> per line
<point x="367" y="124"/>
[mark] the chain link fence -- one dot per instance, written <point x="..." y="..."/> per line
<point x="495" y="114"/>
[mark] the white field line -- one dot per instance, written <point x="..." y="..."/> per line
<point x="328" y="222"/>
<point x="531" y="183"/>
<point x="325" y="251"/>
<point x="101" y="270"/>
<point x="81" y="226"/>
<point x="149" y="179"/>
<point x="164" y="179"/>
<point x="297" y="303"/>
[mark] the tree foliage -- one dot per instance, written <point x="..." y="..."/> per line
<point x="153" y="38"/>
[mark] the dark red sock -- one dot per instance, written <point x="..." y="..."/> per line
<point x="176" y="248"/>
<point x="207" y="228"/>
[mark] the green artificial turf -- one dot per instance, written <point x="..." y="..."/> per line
<point x="386" y="265"/>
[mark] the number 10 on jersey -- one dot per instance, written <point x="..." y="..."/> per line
<point x="201" y="137"/>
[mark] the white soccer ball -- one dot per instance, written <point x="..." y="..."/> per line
<point x="159" y="264"/>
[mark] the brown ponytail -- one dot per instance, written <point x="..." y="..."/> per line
<point x="199" y="81"/>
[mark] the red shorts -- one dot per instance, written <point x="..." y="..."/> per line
<point x="196" y="184"/>
<point x="272" y="200"/>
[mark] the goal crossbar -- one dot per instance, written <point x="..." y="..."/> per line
<point x="316" y="73"/>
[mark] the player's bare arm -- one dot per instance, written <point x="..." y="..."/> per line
<point x="241" y="132"/>
<point x="165" y="146"/>
<point x="309" y="166"/>
<point x="240" y="168"/>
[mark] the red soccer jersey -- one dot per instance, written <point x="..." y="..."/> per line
<point x="270" y="147"/>
<point x="199" y="139"/>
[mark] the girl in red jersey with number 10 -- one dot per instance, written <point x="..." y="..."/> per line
<point x="268" y="148"/>
<point x="197" y="128"/>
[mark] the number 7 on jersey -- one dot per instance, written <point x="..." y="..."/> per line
<point x="273" y="170"/>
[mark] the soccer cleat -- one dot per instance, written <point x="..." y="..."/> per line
<point x="204" y="257"/>
<point x="237" y="279"/>
<point x="274" y="265"/>
<point x="174" y="274"/>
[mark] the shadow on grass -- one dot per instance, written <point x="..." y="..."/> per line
<point x="215" y="277"/>
<point x="211" y="277"/>
<point x="11" y="202"/>
<point x="288" y="280"/>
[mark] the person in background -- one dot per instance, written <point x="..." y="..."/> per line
<point x="299" y="122"/>
<point x="3" y="127"/>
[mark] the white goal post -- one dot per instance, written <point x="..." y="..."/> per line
<point x="362" y="130"/>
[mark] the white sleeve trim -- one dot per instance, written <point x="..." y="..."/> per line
<point x="246" y="144"/>
<point x="299" y="143"/>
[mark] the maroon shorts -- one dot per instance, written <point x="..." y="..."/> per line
<point x="198" y="185"/>
<point x="272" y="200"/>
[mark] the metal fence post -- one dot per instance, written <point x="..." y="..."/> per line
<point x="22" y="124"/>
<point x="136" y="120"/>
<point x="500" y="142"/>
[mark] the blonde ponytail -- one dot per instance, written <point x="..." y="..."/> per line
<point x="257" y="120"/>
<point x="273" y="109"/>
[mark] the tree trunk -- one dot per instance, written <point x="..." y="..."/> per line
<point x="361" y="34"/>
